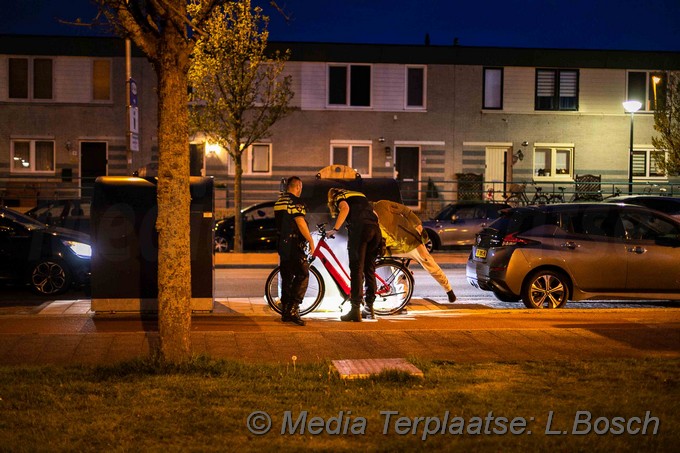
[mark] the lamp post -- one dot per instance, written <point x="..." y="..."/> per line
<point x="631" y="107"/>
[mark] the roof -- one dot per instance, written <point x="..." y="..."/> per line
<point x="374" y="53"/>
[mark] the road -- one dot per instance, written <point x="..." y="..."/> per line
<point x="240" y="282"/>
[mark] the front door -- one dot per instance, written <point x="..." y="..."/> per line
<point x="407" y="169"/>
<point x="494" y="173"/>
<point x="92" y="165"/>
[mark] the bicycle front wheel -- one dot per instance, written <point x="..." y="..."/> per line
<point x="541" y="200"/>
<point x="394" y="287"/>
<point x="313" y="295"/>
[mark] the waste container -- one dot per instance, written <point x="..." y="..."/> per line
<point x="125" y="244"/>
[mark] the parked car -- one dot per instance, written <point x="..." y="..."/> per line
<point x="70" y="213"/>
<point x="667" y="205"/>
<point x="547" y="255"/>
<point x="457" y="223"/>
<point x="259" y="229"/>
<point x="48" y="259"/>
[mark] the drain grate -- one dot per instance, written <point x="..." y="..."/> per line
<point x="363" y="368"/>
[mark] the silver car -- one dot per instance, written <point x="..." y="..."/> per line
<point x="457" y="223"/>
<point x="547" y="255"/>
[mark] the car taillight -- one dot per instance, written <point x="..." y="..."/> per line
<point x="512" y="239"/>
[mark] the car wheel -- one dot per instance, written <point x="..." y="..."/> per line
<point x="50" y="277"/>
<point x="432" y="241"/>
<point x="221" y="245"/>
<point x="546" y="289"/>
<point x="505" y="297"/>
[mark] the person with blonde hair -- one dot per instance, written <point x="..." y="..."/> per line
<point x="363" y="246"/>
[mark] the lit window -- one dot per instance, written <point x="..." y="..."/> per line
<point x="32" y="156"/>
<point x="349" y="85"/>
<point x="493" y="88"/>
<point x="553" y="162"/>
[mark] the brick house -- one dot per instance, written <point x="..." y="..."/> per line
<point x="421" y="114"/>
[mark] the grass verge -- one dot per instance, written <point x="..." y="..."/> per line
<point x="207" y="405"/>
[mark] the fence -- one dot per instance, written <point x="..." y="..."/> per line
<point x="28" y="191"/>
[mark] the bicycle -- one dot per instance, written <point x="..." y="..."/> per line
<point x="394" y="281"/>
<point x="518" y="196"/>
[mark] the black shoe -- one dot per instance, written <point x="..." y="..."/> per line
<point x="452" y="297"/>
<point x="295" y="316"/>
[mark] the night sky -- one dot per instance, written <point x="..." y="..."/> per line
<point x="577" y="24"/>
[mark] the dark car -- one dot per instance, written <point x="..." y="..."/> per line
<point x="667" y="205"/>
<point x="259" y="229"/>
<point x="547" y="255"/>
<point x="457" y="223"/>
<point x="73" y="214"/>
<point x="48" y="259"/>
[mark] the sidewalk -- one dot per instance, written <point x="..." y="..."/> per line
<point x="67" y="332"/>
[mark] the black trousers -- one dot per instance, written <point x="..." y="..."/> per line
<point x="363" y="248"/>
<point x="294" y="271"/>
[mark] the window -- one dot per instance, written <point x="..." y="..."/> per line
<point x="259" y="159"/>
<point x="646" y="87"/>
<point x="646" y="163"/>
<point x="415" y="87"/>
<point x="32" y="156"/>
<point x="23" y="71"/>
<point x="493" y="88"/>
<point x="101" y="80"/>
<point x="556" y="89"/>
<point x="349" y="85"/>
<point x="255" y="160"/>
<point x="553" y="162"/>
<point x="357" y="157"/>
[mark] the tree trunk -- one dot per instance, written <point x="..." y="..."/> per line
<point x="174" y="263"/>
<point x="238" y="220"/>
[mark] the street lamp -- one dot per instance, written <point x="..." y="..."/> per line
<point x="631" y="107"/>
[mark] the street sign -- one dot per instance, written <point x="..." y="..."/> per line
<point x="133" y="93"/>
<point x="134" y="120"/>
<point x="134" y="141"/>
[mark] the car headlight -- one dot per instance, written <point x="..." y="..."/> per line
<point x="79" y="248"/>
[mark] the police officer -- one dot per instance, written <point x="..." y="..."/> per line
<point x="363" y="246"/>
<point x="289" y="213"/>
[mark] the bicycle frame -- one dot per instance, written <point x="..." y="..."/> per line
<point x="337" y="271"/>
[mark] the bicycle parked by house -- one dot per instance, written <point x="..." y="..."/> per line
<point x="518" y="196"/>
<point x="394" y="281"/>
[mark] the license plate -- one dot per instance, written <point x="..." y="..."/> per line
<point x="480" y="253"/>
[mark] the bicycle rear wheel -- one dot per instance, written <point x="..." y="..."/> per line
<point x="394" y="287"/>
<point x="313" y="295"/>
<point x="514" y="201"/>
